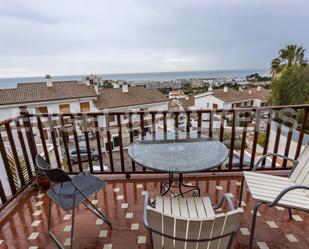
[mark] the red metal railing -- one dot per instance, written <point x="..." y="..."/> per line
<point x="50" y="134"/>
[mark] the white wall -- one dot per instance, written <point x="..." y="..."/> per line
<point x="53" y="107"/>
<point x="207" y="101"/>
<point x="257" y="102"/>
<point x="162" y="106"/>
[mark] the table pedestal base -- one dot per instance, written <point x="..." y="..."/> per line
<point x="172" y="183"/>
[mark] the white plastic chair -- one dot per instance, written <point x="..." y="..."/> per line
<point x="190" y="223"/>
<point x="291" y="192"/>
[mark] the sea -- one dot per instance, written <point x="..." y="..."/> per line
<point x="159" y="76"/>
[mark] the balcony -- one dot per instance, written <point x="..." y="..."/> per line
<point x="24" y="209"/>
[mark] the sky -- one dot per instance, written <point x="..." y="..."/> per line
<point x="75" y="37"/>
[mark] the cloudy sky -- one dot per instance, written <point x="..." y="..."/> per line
<point x="95" y="36"/>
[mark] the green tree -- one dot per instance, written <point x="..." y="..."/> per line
<point x="292" y="87"/>
<point x="291" y="55"/>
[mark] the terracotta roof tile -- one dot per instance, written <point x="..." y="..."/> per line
<point x="230" y="95"/>
<point x="115" y="98"/>
<point x="236" y="95"/>
<point x="37" y="92"/>
<point x="263" y="94"/>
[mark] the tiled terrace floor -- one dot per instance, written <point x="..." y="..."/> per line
<point x="122" y="202"/>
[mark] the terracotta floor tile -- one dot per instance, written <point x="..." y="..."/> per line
<point x="16" y="227"/>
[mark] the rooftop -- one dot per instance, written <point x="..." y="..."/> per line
<point x="237" y="95"/>
<point x="37" y="92"/>
<point x="262" y="93"/>
<point x="115" y="97"/>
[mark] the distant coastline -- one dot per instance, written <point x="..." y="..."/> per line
<point x="160" y="76"/>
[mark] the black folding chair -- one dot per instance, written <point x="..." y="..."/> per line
<point x="69" y="192"/>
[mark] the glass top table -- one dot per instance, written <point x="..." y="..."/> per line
<point x="178" y="154"/>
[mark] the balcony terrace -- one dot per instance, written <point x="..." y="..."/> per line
<point x="24" y="209"/>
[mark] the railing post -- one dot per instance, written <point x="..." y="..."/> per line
<point x="40" y="127"/>
<point x="7" y="166"/>
<point x="199" y="124"/>
<point x="232" y="139"/>
<point x="120" y="142"/>
<point x="65" y="142"/>
<point x="29" y="133"/>
<point x="109" y="142"/>
<point x="255" y="138"/>
<point x="76" y="142"/>
<point x="24" y="149"/>
<point x="54" y="141"/>
<point x="301" y="133"/>
<point x="243" y="139"/>
<point x="98" y="138"/>
<point x="131" y="138"/>
<point x="85" y="130"/>
<point x="210" y="127"/>
<point x="2" y="194"/>
<point x="277" y="140"/>
<point x="266" y="142"/>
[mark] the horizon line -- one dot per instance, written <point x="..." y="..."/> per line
<point x="184" y="71"/>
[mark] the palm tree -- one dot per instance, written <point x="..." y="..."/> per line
<point x="288" y="56"/>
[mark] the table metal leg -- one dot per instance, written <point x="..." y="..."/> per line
<point x="168" y="186"/>
<point x="195" y="189"/>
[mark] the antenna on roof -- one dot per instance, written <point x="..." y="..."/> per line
<point x="49" y="81"/>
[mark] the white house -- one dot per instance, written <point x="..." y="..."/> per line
<point x="48" y="97"/>
<point x="228" y="98"/>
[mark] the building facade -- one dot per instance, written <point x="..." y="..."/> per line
<point x="228" y="98"/>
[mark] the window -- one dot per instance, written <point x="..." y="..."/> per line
<point x="116" y="141"/>
<point x="65" y="108"/>
<point x="207" y="105"/>
<point x="84" y="107"/>
<point x="111" y="118"/>
<point x="42" y="109"/>
<point x="215" y="106"/>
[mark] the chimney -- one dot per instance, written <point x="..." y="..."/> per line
<point x="49" y="82"/>
<point x="125" y="88"/>
<point x="240" y="89"/>
<point x="250" y="91"/>
<point x="259" y="88"/>
<point x="96" y="88"/>
<point x="225" y="89"/>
